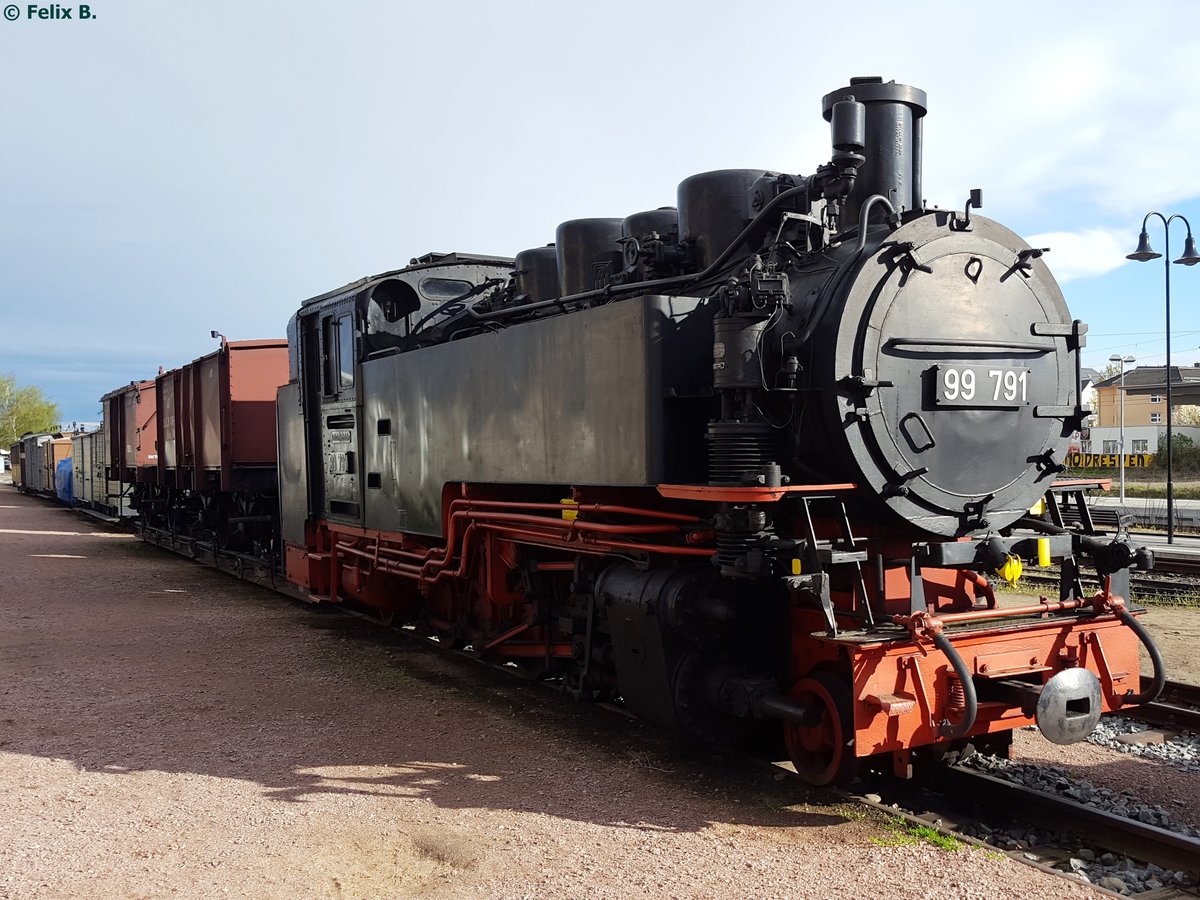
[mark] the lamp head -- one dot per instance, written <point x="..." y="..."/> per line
<point x="1144" y="251"/>
<point x="1190" y="256"/>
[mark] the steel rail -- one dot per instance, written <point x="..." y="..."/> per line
<point x="1149" y="586"/>
<point x="1177" y="707"/>
<point x="1129" y="837"/>
<point x="1179" y="692"/>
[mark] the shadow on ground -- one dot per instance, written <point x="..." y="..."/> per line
<point x="119" y="657"/>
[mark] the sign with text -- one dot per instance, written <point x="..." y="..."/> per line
<point x="1108" y="460"/>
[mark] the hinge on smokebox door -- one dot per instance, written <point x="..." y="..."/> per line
<point x="974" y="514"/>
<point x="820" y="555"/>
<point x="1075" y="333"/>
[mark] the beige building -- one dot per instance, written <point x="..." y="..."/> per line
<point x="1141" y="408"/>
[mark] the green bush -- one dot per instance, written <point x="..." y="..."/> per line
<point x="1185" y="455"/>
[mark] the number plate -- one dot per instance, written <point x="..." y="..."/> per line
<point x="1002" y="386"/>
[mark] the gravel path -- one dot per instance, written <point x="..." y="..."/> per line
<point x="166" y="730"/>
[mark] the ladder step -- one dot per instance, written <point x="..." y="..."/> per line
<point x="840" y="557"/>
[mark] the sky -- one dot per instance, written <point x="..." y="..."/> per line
<point x="170" y="167"/>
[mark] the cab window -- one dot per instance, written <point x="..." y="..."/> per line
<point x="328" y="356"/>
<point x="337" y="353"/>
<point x="345" y="328"/>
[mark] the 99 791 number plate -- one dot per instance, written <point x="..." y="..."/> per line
<point x="981" y="386"/>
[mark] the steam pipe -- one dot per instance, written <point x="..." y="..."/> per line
<point x="964" y="677"/>
<point x="674" y="281"/>
<point x="862" y="218"/>
<point x="1160" y="670"/>
<point x="985" y="586"/>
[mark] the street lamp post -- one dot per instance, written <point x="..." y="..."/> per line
<point x="1121" y="443"/>
<point x="1190" y="257"/>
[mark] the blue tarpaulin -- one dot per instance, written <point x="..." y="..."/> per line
<point x="63" y="482"/>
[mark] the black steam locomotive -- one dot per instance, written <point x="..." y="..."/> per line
<point x="748" y="462"/>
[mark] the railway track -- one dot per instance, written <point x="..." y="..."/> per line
<point x="954" y="798"/>
<point x="1162" y="584"/>
<point x="1169" y="562"/>
<point x="1128" y="837"/>
<point x="962" y="793"/>
<point x="1177" y="707"/>
<point x="1176" y="573"/>
<point x="1156" y="584"/>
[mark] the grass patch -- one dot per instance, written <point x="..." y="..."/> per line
<point x="1173" y="601"/>
<point x="850" y="813"/>
<point x="902" y="833"/>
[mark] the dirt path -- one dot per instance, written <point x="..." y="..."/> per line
<point x="168" y="731"/>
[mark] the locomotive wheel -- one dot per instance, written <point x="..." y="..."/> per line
<point x="823" y="751"/>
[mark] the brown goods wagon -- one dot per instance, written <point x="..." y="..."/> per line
<point x="129" y="422"/>
<point x="216" y="430"/>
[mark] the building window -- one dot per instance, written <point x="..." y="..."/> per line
<point x="1085" y="446"/>
<point x="1155" y="418"/>
<point x="1110" y="446"/>
<point x="1141" y="446"/>
<point x="1157" y="398"/>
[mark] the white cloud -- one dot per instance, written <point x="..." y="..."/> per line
<point x="1083" y="254"/>
<point x="1086" y="115"/>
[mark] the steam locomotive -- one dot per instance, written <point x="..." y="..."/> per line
<point x="748" y="463"/>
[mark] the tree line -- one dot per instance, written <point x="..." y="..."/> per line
<point x="23" y="409"/>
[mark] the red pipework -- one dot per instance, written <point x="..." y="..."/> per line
<point x="1044" y="606"/>
<point x="491" y="515"/>
<point x="571" y="524"/>
<point x="983" y="585"/>
<point x="576" y="507"/>
<point x="924" y="624"/>
<point x="593" y="546"/>
<point x="462" y="509"/>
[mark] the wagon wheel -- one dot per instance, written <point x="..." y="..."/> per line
<point x="447" y="602"/>
<point x="823" y="749"/>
